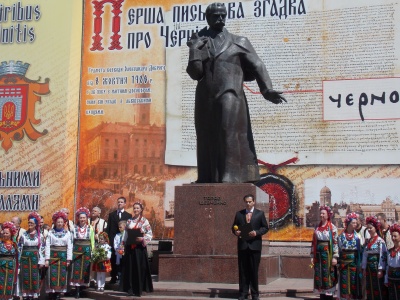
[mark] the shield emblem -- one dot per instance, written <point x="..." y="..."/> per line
<point x="18" y="96"/>
<point x="13" y="107"/>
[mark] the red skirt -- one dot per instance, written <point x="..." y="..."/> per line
<point x="102" y="266"/>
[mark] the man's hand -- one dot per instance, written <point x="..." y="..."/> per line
<point x="237" y="232"/>
<point x="274" y="96"/>
<point x="252" y="233"/>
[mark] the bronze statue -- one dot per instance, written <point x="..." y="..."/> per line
<point x="221" y="62"/>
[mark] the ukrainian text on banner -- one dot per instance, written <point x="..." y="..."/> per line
<point x="122" y="113"/>
<point x="311" y="49"/>
<point x="39" y="82"/>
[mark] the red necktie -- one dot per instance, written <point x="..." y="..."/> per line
<point x="248" y="217"/>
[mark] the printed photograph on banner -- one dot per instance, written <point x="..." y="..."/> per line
<point x="367" y="197"/>
<point x="169" y="200"/>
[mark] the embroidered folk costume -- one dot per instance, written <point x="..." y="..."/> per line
<point x="102" y="266"/>
<point x="350" y="257"/>
<point x="324" y="249"/>
<point x="374" y="263"/>
<point x="32" y="247"/>
<point x="136" y="275"/>
<point x="8" y="262"/>
<point x="392" y="276"/>
<point x="83" y="237"/>
<point x="58" y="254"/>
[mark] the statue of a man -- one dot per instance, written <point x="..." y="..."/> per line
<point x="221" y="62"/>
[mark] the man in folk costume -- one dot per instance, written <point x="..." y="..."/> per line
<point x="98" y="224"/>
<point x="385" y="232"/>
<point x="20" y="231"/>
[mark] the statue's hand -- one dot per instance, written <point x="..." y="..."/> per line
<point x="197" y="43"/>
<point x="274" y="96"/>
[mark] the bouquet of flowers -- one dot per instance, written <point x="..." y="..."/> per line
<point x="121" y="249"/>
<point x="99" y="254"/>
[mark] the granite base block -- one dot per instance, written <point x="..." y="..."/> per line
<point x="296" y="266"/>
<point x="212" y="268"/>
<point x="204" y="214"/>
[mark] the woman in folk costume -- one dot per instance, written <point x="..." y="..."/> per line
<point x="8" y="261"/>
<point x="31" y="245"/>
<point x="350" y="257"/>
<point x="392" y="276"/>
<point x="136" y="275"/>
<point x="324" y="253"/>
<point x="83" y="243"/>
<point x="58" y="255"/>
<point x="374" y="262"/>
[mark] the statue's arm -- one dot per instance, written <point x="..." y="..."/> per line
<point x="195" y="65"/>
<point x="197" y="53"/>
<point x="255" y="65"/>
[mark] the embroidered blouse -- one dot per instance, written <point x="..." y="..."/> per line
<point x="140" y="223"/>
<point x="62" y="238"/>
<point x="378" y="247"/>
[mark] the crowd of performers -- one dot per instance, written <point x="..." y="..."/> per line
<point x="66" y="257"/>
<point x="362" y="262"/>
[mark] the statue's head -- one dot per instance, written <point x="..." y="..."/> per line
<point x="216" y="15"/>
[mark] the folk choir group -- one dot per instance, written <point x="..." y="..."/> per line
<point x="362" y="262"/>
<point x="66" y="257"/>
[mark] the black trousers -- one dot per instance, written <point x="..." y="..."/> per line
<point x="114" y="271"/>
<point x="249" y="262"/>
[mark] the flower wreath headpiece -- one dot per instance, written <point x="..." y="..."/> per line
<point x="10" y="226"/>
<point x="83" y="210"/>
<point x="34" y="216"/>
<point x="59" y="214"/>
<point x="328" y="210"/>
<point x="350" y="217"/>
<point x="395" y="228"/>
<point x="374" y="222"/>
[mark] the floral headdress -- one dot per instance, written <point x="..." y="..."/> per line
<point x="83" y="210"/>
<point x="350" y="217"/>
<point x="59" y="214"/>
<point x="105" y="236"/>
<point x="35" y="217"/>
<point x="328" y="210"/>
<point x="140" y="204"/>
<point x="10" y="226"/>
<point x="374" y="222"/>
<point x="395" y="228"/>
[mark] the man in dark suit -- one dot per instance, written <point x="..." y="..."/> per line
<point x="112" y="229"/>
<point x="249" y="246"/>
<point x="221" y="62"/>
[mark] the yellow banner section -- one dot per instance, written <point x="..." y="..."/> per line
<point x="40" y="44"/>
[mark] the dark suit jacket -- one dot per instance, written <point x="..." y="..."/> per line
<point x="259" y="224"/>
<point x="112" y="224"/>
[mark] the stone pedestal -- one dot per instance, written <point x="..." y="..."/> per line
<point x="204" y="246"/>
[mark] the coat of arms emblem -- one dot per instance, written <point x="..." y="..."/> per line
<point x="18" y="96"/>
